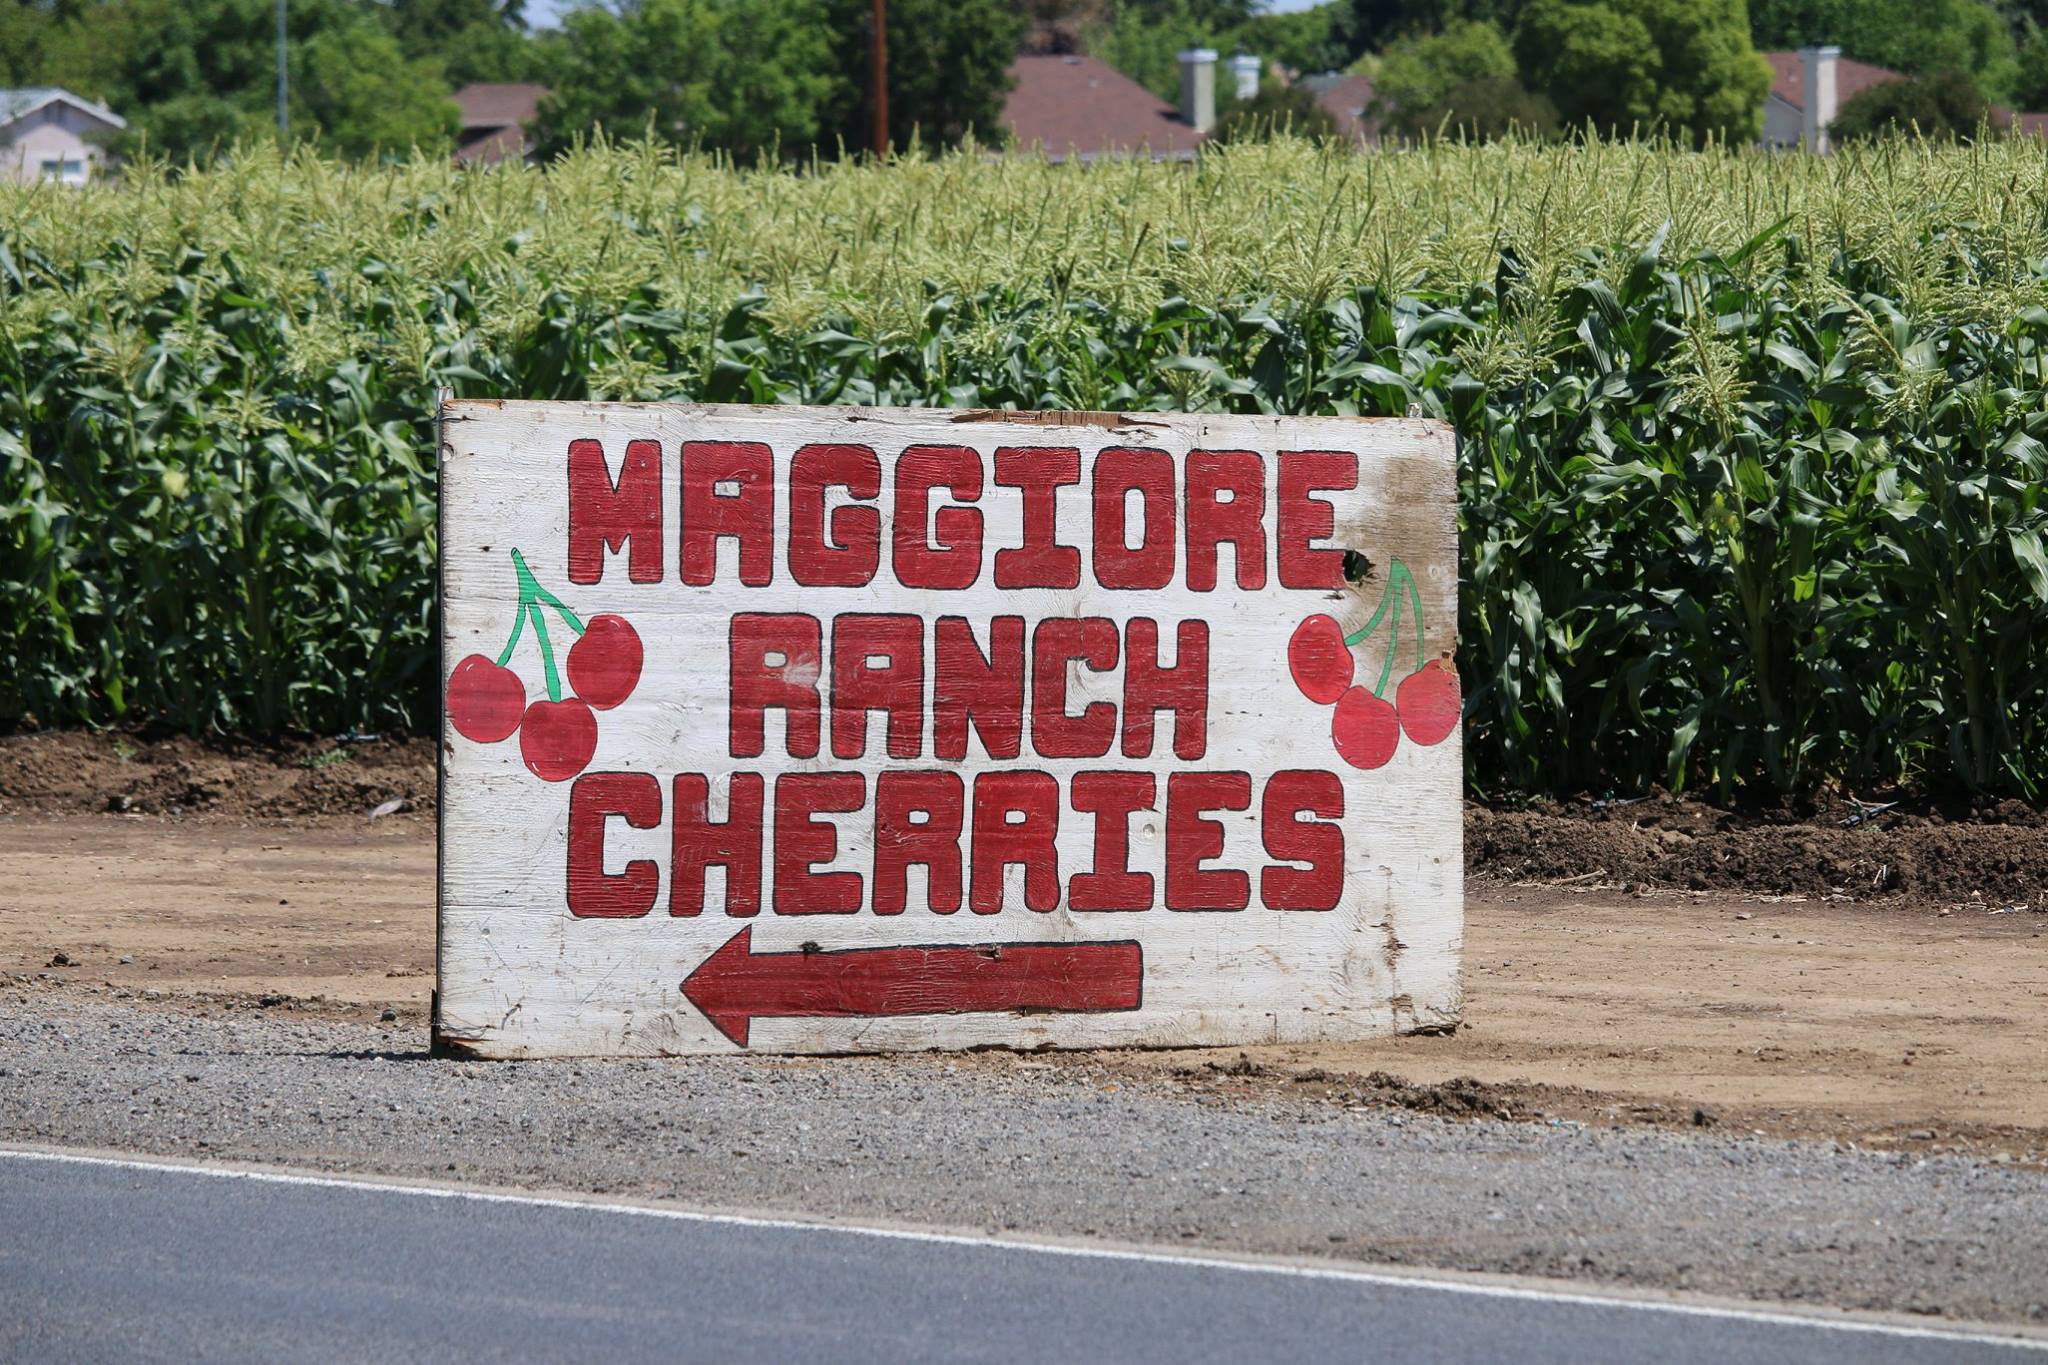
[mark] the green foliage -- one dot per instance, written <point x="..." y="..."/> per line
<point x="191" y="76"/>
<point x="1373" y="25"/>
<point x="949" y="63"/>
<point x="1418" y="71"/>
<point x="1946" y="106"/>
<point x="472" y="40"/>
<point x="738" y="76"/>
<point x="1917" y="37"/>
<point x="1681" y="65"/>
<point x="1483" y="109"/>
<point x="1276" y="111"/>
<point x="1305" y="41"/>
<point x="1752" y="475"/>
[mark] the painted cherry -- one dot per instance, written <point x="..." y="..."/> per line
<point x="1365" y="729"/>
<point x="1429" y="702"/>
<point x="485" y="700"/>
<point x="604" y="663"/>
<point x="1320" y="660"/>
<point x="558" y="738"/>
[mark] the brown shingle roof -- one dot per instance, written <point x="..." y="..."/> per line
<point x="1347" y="99"/>
<point x="1080" y="106"/>
<point x="494" y="119"/>
<point x="1788" y="78"/>
<point x="498" y="106"/>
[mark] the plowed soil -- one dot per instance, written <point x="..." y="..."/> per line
<point x="1997" y="855"/>
<point x="1660" y="962"/>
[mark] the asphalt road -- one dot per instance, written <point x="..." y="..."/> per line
<point x="141" y="1261"/>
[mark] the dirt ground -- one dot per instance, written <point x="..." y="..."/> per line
<point x="1898" y="1011"/>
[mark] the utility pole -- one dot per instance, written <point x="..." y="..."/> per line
<point x="878" y="54"/>
<point x="283" y="118"/>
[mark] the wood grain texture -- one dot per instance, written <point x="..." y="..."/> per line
<point x="520" y="975"/>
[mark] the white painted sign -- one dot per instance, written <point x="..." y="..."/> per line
<point x="843" y="729"/>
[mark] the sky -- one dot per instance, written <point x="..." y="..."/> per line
<point x="543" y="13"/>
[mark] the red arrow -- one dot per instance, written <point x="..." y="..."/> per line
<point x="735" y="985"/>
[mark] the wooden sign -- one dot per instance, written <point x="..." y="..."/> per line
<point x="842" y="729"/>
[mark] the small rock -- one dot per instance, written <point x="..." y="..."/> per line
<point x="1744" y="914"/>
<point x="1920" y="1135"/>
<point x="126" y="960"/>
<point x="391" y="807"/>
<point x="60" y="958"/>
<point x="1943" y="914"/>
<point x="388" y="1015"/>
<point x="1703" y="1117"/>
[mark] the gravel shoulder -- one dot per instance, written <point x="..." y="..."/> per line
<point x="1887" y="1024"/>
<point x="1006" y="1142"/>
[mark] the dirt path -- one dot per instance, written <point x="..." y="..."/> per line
<point x="1883" y="1025"/>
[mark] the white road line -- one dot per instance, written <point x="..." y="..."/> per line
<point x="1384" y="1279"/>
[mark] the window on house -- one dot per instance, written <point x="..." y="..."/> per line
<point x="66" y="170"/>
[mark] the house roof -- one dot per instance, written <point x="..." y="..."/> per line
<point x="494" y="119"/>
<point x="498" y="106"/>
<point x="1852" y="78"/>
<point x="1347" y="99"/>
<point x="1788" y="83"/>
<point x="25" y="100"/>
<point x="1072" y="105"/>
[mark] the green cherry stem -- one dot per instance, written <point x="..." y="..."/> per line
<point x="1386" y="599"/>
<point x="1393" y="643"/>
<point x="518" y="625"/>
<point x="1415" y="600"/>
<point x="547" y="652"/>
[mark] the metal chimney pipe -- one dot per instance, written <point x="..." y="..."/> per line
<point x="1819" y="64"/>
<point x="1198" y="88"/>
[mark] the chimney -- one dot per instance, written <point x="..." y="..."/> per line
<point x="1198" y="88"/>
<point x="1244" y="69"/>
<point x="1819" y="64"/>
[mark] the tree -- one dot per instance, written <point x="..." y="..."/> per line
<point x="1373" y="25"/>
<point x="2030" y="81"/>
<point x="1947" y="106"/>
<point x="353" y="84"/>
<point x="1483" y="109"/>
<point x="1683" y="65"/>
<point x="741" y="76"/>
<point x="1418" y="70"/>
<point x="194" y="75"/>
<point x="1275" y="110"/>
<point x="473" y="40"/>
<point x="949" y="64"/>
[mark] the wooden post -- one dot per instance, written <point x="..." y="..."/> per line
<point x="878" y="54"/>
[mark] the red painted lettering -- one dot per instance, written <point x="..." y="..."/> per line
<point x="848" y="557"/>
<point x="1304" y="519"/>
<point x="970" y="688"/>
<point x="1182" y="689"/>
<point x="700" y="842"/>
<point x="1056" y="643"/>
<point x="775" y="659"/>
<point x="1214" y="519"/>
<point x="1117" y="472"/>
<point x="604" y="515"/>
<point x="1191" y="840"/>
<point x="951" y="558"/>
<point x="1016" y="818"/>
<point x="801" y="843"/>
<point x="1290" y="794"/>
<point x="594" y="799"/>
<point x="917" y="821"/>
<point x="1041" y="561"/>
<point x="1111" y="884"/>
<point x="743" y="511"/>
<point x="860" y="685"/>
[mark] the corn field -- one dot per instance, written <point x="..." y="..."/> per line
<point x="1752" y="446"/>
